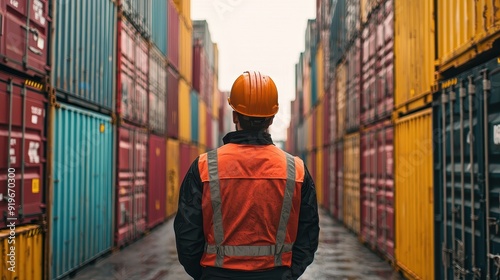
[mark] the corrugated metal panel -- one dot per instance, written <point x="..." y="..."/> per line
<point x="369" y="75"/>
<point x="202" y="32"/>
<point x="83" y="200"/>
<point x="459" y="41"/>
<point x="216" y="98"/>
<point x="157" y="91"/>
<point x="314" y="79"/>
<point x="320" y="70"/>
<point x="172" y="176"/>
<point x="133" y="72"/>
<point x="209" y="130"/>
<point x="339" y="191"/>
<point x="195" y="116"/>
<point x="203" y="123"/>
<point x="84" y="65"/>
<point x="351" y="182"/>
<point x="32" y="58"/>
<point x="338" y="39"/>
<point x="301" y="137"/>
<point x="26" y="258"/>
<point x="309" y="130"/>
<point x="184" y="112"/>
<point x="414" y="47"/>
<point x="306" y="79"/>
<point x="23" y="135"/>
<point x="198" y="67"/>
<point x="184" y="8"/>
<point x="467" y="171"/>
<point x="186" y="51"/>
<point x="172" y="120"/>
<point x="319" y="125"/>
<point x="318" y="176"/>
<point x="156" y="189"/>
<point x="185" y="160"/>
<point x="132" y="184"/>
<point x="313" y="128"/>
<point x="367" y="7"/>
<point x="353" y="86"/>
<point x="332" y="117"/>
<point x="413" y="195"/>
<point x="173" y="30"/>
<point x="341" y="79"/>
<point x="326" y="179"/>
<point x="377" y="192"/>
<point x="139" y="12"/>
<point x="353" y="19"/>
<point x="159" y="25"/>
<point x="326" y="119"/>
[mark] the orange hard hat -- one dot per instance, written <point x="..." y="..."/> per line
<point x="254" y="95"/>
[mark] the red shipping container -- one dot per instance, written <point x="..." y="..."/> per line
<point x="326" y="118"/>
<point x="157" y="181"/>
<point x="369" y="58"/>
<point x="131" y="183"/>
<point x="157" y="91"/>
<point x="173" y="35"/>
<point x="185" y="160"/>
<point x="23" y="135"/>
<point x="199" y="80"/>
<point x="132" y="77"/>
<point x="25" y="48"/>
<point x="353" y="86"/>
<point x="326" y="178"/>
<point x="332" y="180"/>
<point x="339" y="181"/>
<point x="172" y="103"/>
<point x="377" y="190"/>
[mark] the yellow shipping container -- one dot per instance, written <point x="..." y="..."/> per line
<point x="172" y="176"/>
<point x="414" y="52"/>
<point x="216" y="99"/>
<point x="351" y="182"/>
<point x="184" y="111"/>
<point x="184" y="8"/>
<point x="341" y="99"/>
<point x="318" y="126"/>
<point x="186" y="51"/>
<point x="414" y="248"/>
<point x="216" y="62"/>
<point x="466" y="29"/>
<point x="318" y="179"/>
<point x="202" y="123"/>
<point x="28" y="247"/>
<point x="320" y="73"/>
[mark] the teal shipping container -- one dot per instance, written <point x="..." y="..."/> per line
<point x="159" y="27"/>
<point x="82" y="209"/>
<point x="139" y="13"/>
<point x="84" y="52"/>
<point x="195" y="116"/>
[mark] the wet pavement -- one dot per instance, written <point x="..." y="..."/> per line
<point x="339" y="257"/>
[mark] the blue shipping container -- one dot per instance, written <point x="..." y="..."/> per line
<point x="467" y="174"/>
<point x="84" y="51"/>
<point x="159" y="27"/>
<point x="195" y="115"/>
<point x="139" y="13"/>
<point x="338" y="31"/>
<point x="82" y="213"/>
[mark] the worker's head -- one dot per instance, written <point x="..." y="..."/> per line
<point x="254" y="99"/>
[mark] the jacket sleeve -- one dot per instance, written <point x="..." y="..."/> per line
<point x="188" y="223"/>
<point x="306" y="243"/>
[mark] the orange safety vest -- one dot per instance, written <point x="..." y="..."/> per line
<point x="251" y="201"/>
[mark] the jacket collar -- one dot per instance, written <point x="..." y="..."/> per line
<point x="248" y="137"/>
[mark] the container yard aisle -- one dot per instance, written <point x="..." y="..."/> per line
<point x="339" y="256"/>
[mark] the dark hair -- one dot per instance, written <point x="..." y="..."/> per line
<point x="254" y="123"/>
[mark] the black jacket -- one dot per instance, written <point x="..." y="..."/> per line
<point x="188" y="224"/>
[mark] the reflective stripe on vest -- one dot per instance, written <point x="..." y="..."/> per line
<point x="279" y="248"/>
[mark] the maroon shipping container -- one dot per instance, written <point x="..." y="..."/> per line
<point x="131" y="183"/>
<point x="332" y="118"/>
<point x="326" y="118"/>
<point x="157" y="92"/>
<point x="377" y="191"/>
<point x="326" y="178"/>
<point x="185" y="160"/>
<point x="353" y="86"/>
<point x="173" y="35"/>
<point x="172" y="104"/>
<point x="22" y="134"/>
<point x="23" y="36"/>
<point x="157" y="182"/>
<point x="378" y="63"/>
<point x="199" y="70"/>
<point x="339" y="181"/>
<point x="332" y="179"/>
<point x="210" y="144"/>
<point x="132" y="76"/>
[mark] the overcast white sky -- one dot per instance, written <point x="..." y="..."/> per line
<point x="264" y="35"/>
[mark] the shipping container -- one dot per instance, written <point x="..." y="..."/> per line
<point x="207" y="123"/>
<point x="377" y="192"/>
<point x="332" y="117"/>
<point x="414" y="195"/>
<point x="467" y="175"/>
<point x="351" y="182"/>
<point x="201" y="32"/>
<point x="184" y="160"/>
<point x="24" y="45"/>
<point x="352" y="117"/>
<point x="314" y="78"/>
<point x="133" y="72"/>
<point x="82" y="200"/>
<point x="159" y="25"/>
<point x="173" y="30"/>
<point x="320" y="71"/>
<point x="199" y="68"/>
<point x="139" y="13"/>
<point x="156" y="187"/>
<point x="193" y="153"/>
<point x="216" y="137"/>
<point x="23" y="136"/>
<point x="185" y="51"/>
<point x="367" y="7"/>
<point x="326" y="119"/>
<point x="216" y="103"/>
<point x="195" y="116"/>
<point x="319" y="125"/>
<point x="414" y="49"/>
<point x="353" y="20"/>
<point x="318" y="176"/>
<point x="338" y="32"/>
<point x="339" y="189"/>
<point x="306" y="86"/>
<point x="461" y="41"/>
<point x="172" y="176"/>
<point x="313" y="128"/>
<point x="330" y="175"/>
<point x="84" y="66"/>
<point x="184" y="8"/>
<point x="172" y="120"/>
<point x="26" y="259"/>
<point x="341" y="80"/>
<point x="309" y="130"/>
<point x="157" y="91"/>
<point x="184" y="110"/>
<point x="132" y="184"/>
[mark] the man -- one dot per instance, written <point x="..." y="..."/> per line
<point x="247" y="210"/>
